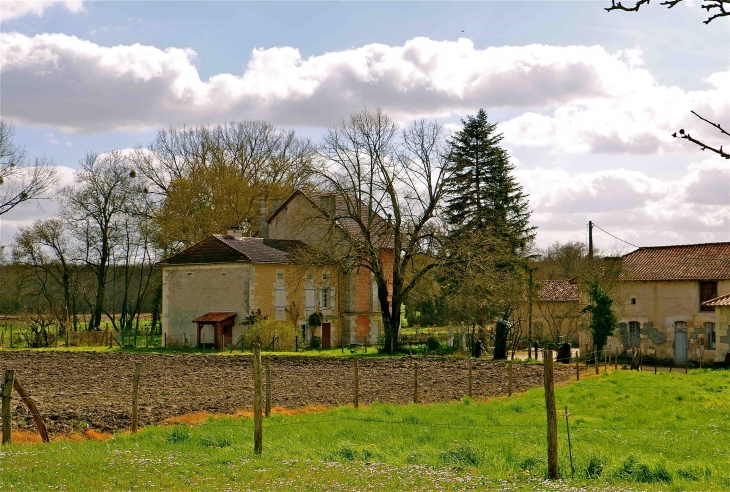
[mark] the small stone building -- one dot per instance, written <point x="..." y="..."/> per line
<point x="662" y="298"/>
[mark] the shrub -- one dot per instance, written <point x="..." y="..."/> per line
<point x="564" y="353"/>
<point x="315" y="343"/>
<point x="432" y="344"/>
<point x="215" y="441"/>
<point x="266" y="330"/>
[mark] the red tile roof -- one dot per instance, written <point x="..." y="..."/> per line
<point x="558" y="291"/>
<point x="215" y="317"/>
<point x="710" y="261"/>
<point x="227" y="249"/>
<point x="718" y="301"/>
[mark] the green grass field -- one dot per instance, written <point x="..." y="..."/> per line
<point x="629" y="430"/>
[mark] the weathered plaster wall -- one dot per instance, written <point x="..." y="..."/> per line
<point x="723" y="333"/>
<point x="659" y="305"/>
<point x="189" y="291"/>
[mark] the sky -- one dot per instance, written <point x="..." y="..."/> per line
<point x="587" y="100"/>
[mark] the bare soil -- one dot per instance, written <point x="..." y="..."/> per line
<point x="79" y="390"/>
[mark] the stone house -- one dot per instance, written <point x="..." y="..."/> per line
<point x="212" y="289"/>
<point x="721" y="338"/>
<point x="661" y="302"/>
<point x="557" y="313"/>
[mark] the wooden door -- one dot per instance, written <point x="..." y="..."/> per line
<point x="326" y="334"/>
<point x="680" y="347"/>
<point x="227" y="336"/>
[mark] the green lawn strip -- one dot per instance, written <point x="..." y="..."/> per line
<point x="628" y="429"/>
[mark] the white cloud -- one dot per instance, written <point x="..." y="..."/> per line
<point x="576" y="98"/>
<point x="637" y="119"/>
<point x="16" y="9"/>
<point x="692" y="208"/>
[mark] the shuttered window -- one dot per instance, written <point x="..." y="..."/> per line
<point x="309" y="298"/>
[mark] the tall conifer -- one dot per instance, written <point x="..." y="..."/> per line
<point x="483" y="196"/>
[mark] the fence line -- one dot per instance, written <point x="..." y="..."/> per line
<point x="266" y="390"/>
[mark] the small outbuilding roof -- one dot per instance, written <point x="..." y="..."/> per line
<point x="718" y="301"/>
<point x="228" y="249"/>
<point x="709" y="261"/>
<point x="558" y="291"/>
<point x="215" y="317"/>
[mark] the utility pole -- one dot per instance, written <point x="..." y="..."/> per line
<point x="529" y="319"/>
<point x="590" y="240"/>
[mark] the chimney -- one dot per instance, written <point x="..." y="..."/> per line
<point x="263" y="219"/>
<point x="236" y="232"/>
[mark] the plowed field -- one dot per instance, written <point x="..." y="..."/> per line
<point x="76" y="390"/>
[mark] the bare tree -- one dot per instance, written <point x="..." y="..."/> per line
<point x="387" y="188"/>
<point x="20" y="180"/>
<point x="45" y="249"/>
<point x="207" y="179"/>
<point x="96" y="206"/>
<point x="720" y="8"/>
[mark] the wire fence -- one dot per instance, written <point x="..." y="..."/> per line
<point x="119" y="401"/>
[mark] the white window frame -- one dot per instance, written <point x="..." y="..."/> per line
<point x="324" y="298"/>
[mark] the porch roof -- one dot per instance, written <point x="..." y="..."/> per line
<point x="215" y="317"/>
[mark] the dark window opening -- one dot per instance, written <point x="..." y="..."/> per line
<point x="633" y="300"/>
<point x="634" y="334"/>
<point x="708" y="290"/>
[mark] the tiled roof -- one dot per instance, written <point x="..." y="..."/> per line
<point x="227" y="249"/>
<point x="558" y="291"/>
<point x="215" y="317"/>
<point x="710" y="261"/>
<point x="718" y="301"/>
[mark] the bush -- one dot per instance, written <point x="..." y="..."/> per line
<point x="315" y="343"/>
<point x="266" y="330"/>
<point x="564" y="354"/>
<point x="595" y="468"/>
<point x="432" y="344"/>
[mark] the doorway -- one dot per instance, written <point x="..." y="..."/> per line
<point x="680" y="343"/>
<point x="326" y="335"/>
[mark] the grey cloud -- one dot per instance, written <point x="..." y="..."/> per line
<point x="75" y="85"/>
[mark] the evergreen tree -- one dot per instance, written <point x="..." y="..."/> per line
<point x="483" y="196"/>
<point x="603" y="319"/>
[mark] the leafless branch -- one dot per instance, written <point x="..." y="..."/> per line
<point x="716" y="125"/>
<point x="713" y="4"/>
<point x="687" y="136"/>
<point x="619" y="6"/>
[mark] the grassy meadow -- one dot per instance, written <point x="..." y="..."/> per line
<point x="629" y="431"/>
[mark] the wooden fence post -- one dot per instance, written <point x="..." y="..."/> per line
<point x="552" y="419"/>
<point x="415" y="382"/>
<point x="33" y="409"/>
<point x="595" y="359"/>
<point x="267" y="368"/>
<point x="471" y="380"/>
<point x="615" y="367"/>
<point x="356" y="381"/>
<point x="605" y="361"/>
<point x="655" y="361"/>
<point x="7" y="392"/>
<point x="509" y="377"/>
<point x="257" y="429"/>
<point x="135" y="395"/>
<point x="577" y="370"/>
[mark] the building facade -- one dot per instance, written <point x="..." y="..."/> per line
<point x="286" y="273"/>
